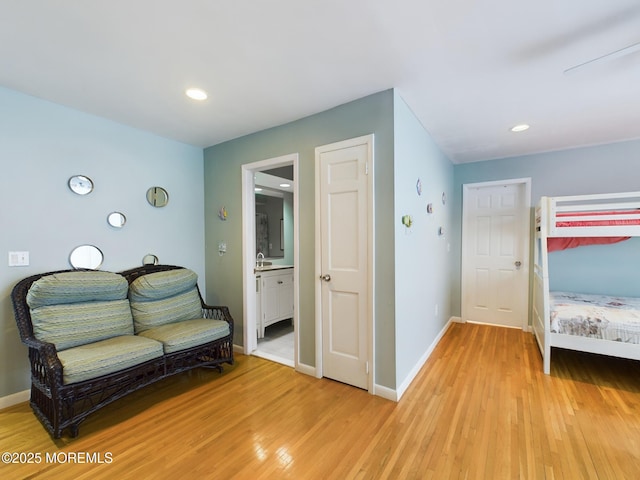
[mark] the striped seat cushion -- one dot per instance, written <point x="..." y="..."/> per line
<point x="162" y="298"/>
<point x="187" y="334"/>
<point x="75" y="308"/>
<point x="107" y="356"/>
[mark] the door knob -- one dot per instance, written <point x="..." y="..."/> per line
<point x="518" y="264"/>
<point x="326" y="277"/>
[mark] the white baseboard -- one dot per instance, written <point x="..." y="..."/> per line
<point x="493" y="324"/>
<point x="14" y="399"/>
<point x="418" y="366"/>
<point x="306" y="369"/>
<point x="238" y="349"/>
<point x="385" y="392"/>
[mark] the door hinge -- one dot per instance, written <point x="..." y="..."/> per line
<point x="366" y="168"/>
<point x="366" y="367"/>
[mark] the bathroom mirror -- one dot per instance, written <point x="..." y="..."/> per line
<point x="81" y="184"/>
<point x="269" y="226"/>
<point x="116" y="219"/>
<point x="149" y="259"/>
<point x="274" y="212"/>
<point x="157" y="196"/>
<point x="86" y="256"/>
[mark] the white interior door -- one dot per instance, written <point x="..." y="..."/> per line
<point x="344" y="274"/>
<point x="495" y="278"/>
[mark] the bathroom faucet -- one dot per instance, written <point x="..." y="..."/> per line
<point x="260" y="260"/>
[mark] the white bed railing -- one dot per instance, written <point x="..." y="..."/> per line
<point x="590" y="208"/>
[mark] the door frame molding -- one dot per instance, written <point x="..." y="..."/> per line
<point x="369" y="141"/>
<point x="250" y="342"/>
<point x="526" y="240"/>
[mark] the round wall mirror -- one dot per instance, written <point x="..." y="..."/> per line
<point x="149" y="259"/>
<point x="81" y="184"/>
<point x="86" y="256"/>
<point x="157" y="196"/>
<point x="116" y="219"/>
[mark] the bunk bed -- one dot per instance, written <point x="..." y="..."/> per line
<point x="591" y="323"/>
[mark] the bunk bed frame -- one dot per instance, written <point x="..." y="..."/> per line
<point x="602" y="218"/>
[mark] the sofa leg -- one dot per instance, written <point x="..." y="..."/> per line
<point x="217" y="367"/>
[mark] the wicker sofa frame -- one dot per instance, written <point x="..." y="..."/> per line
<point x="59" y="406"/>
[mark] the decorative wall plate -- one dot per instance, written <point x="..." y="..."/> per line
<point x="116" y="219"/>
<point x="157" y="196"/>
<point x="81" y="184"/>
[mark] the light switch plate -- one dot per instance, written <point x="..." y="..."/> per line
<point x="18" y="259"/>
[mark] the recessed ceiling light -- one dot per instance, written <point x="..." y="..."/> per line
<point x="196" y="94"/>
<point x="520" y="128"/>
<point x="285" y="185"/>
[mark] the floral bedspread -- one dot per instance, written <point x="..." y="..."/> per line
<point x="596" y="316"/>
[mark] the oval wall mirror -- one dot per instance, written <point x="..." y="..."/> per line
<point x="81" y="184"/>
<point x="116" y="219"/>
<point x="150" y="259"/>
<point x="157" y="196"/>
<point x="86" y="256"/>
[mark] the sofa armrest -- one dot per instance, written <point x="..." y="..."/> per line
<point x="217" y="313"/>
<point x="46" y="368"/>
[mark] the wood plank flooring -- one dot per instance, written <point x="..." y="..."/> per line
<point x="481" y="408"/>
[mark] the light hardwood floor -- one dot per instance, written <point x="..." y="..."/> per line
<point x="480" y="408"/>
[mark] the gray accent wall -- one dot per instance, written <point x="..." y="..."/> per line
<point x="372" y="114"/>
<point x="41" y="145"/>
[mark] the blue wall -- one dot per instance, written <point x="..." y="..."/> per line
<point x="43" y="144"/>
<point x="599" y="169"/>
<point x="422" y="259"/>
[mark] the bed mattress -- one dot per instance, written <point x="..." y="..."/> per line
<point x="596" y="316"/>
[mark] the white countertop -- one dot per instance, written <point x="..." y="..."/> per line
<point x="269" y="268"/>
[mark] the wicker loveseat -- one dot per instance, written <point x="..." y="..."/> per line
<point x="95" y="336"/>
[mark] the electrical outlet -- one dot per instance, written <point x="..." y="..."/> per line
<point x="18" y="259"/>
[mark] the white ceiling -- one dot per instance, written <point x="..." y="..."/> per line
<point x="469" y="69"/>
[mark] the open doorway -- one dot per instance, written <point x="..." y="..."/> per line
<point x="270" y="257"/>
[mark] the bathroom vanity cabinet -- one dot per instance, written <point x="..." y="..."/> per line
<point x="274" y="297"/>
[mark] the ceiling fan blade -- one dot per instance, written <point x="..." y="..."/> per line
<point x="609" y="56"/>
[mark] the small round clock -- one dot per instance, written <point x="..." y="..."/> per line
<point x="81" y="184"/>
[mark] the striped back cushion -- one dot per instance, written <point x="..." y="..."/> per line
<point x="75" y="308"/>
<point x="165" y="297"/>
<point x="75" y="287"/>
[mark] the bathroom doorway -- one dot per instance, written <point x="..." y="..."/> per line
<point x="270" y="256"/>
